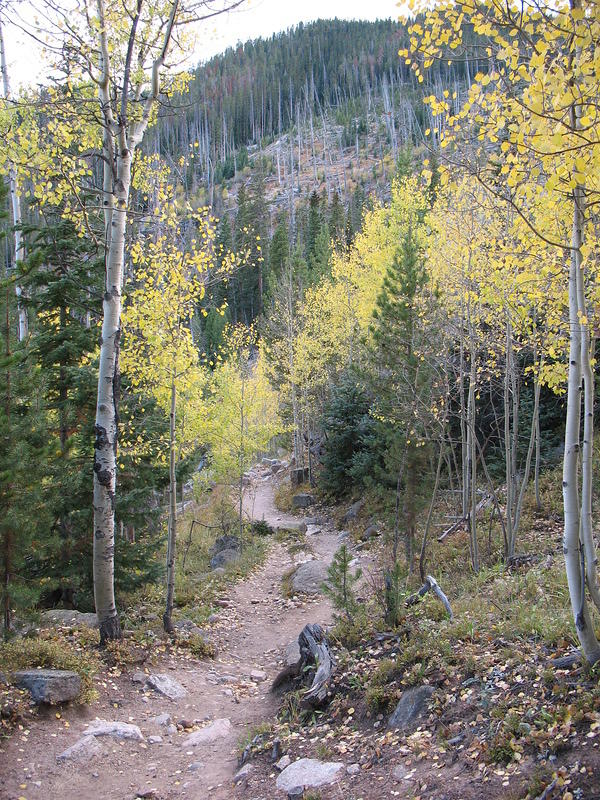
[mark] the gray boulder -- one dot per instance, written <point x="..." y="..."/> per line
<point x="309" y="577"/>
<point x="370" y="533"/>
<point x="224" y="557"/>
<point x="188" y="626"/>
<point x="226" y="542"/>
<point x="83" y="750"/>
<point x="352" y="512"/>
<point x="291" y="525"/>
<point x="49" y="685"/>
<point x="116" y="730"/>
<point x="68" y="617"/>
<point x="166" y="686"/>
<point x="411" y="706"/>
<point x="309" y="773"/>
<point x="218" y="729"/>
<point x="303" y="500"/>
<point x="241" y="776"/>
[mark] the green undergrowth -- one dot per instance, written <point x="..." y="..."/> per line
<point x="197" y="586"/>
<point x="490" y="666"/>
<point x="54" y="650"/>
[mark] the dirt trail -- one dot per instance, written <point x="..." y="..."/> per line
<point x="252" y="635"/>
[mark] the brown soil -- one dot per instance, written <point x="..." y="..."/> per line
<point x="251" y="635"/>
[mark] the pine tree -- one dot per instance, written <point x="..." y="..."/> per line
<point x="23" y="454"/>
<point x="402" y="335"/>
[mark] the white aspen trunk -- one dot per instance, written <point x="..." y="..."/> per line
<point x="508" y="456"/>
<point x="577" y="521"/>
<point x="172" y="535"/>
<point x="572" y="547"/>
<point x="472" y="447"/>
<point x="119" y="143"/>
<point x="587" y="450"/>
<point x="15" y="204"/>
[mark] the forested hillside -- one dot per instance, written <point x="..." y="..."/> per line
<point x="299" y="356"/>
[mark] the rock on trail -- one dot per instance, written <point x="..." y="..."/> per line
<point x="308" y="773"/>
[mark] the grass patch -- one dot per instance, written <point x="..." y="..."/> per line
<point x="52" y="653"/>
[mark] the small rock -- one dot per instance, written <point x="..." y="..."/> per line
<point x="291" y="525"/>
<point x="352" y="512"/>
<point x="139" y="677"/>
<point x="218" y="729"/>
<point x="399" y="773"/>
<point x="309" y="577"/>
<point x="276" y="751"/>
<point x="171" y="729"/>
<point x="292" y="654"/>
<point x="49" y="685"/>
<point x="213" y="618"/>
<point x="308" y="772"/>
<point x="195" y="766"/>
<point x="166" y="686"/>
<point x="84" y="749"/>
<point x="161" y="720"/>
<point x="227" y="679"/>
<point x="353" y="769"/>
<point x="155" y="739"/>
<point x="258" y="675"/>
<point x="313" y="530"/>
<point x="146" y="794"/>
<point x="297" y="793"/>
<point x="283" y="762"/>
<point x="219" y="571"/>
<point x="410" y="707"/>
<point x="370" y="533"/>
<point x="241" y="776"/>
<point x="222" y="603"/>
<point x="117" y="730"/>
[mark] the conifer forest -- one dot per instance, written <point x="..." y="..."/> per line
<point x="298" y="384"/>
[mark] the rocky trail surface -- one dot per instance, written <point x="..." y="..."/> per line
<point x="148" y="745"/>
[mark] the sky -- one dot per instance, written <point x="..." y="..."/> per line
<point x="256" y="18"/>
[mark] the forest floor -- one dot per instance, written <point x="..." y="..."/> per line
<point x="503" y="722"/>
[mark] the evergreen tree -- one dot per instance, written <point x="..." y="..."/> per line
<point x="23" y="455"/>
<point x="403" y="340"/>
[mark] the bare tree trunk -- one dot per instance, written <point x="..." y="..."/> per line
<point x="172" y="536"/>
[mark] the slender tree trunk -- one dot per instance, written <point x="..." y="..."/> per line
<point x="106" y="427"/>
<point x="572" y="546"/>
<point x="172" y="536"/>
<point x="430" y="512"/>
<point x="15" y="204"/>
<point x="8" y="533"/>
<point x="508" y="457"/>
